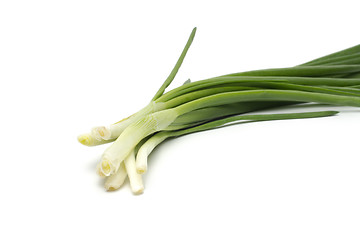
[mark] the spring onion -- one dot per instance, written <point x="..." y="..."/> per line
<point x="215" y="102"/>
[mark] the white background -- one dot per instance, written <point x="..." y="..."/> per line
<point x="66" y="66"/>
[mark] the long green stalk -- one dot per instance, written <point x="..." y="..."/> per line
<point x="302" y="71"/>
<point x="207" y="83"/>
<point x="353" y="90"/>
<point x="267" y="95"/>
<point x="173" y="73"/>
<point x="184" y="98"/>
<point x="348" y="51"/>
<point x="147" y="147"/>
<point x="211" y="113"/>
<point x="352" y="75"/>
<point x="292" y="86"/>
<point x="343" y="60"/>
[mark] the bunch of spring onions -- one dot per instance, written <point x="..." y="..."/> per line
<point x="210" y="103"/>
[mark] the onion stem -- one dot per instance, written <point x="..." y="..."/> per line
<point x="135" y="179"/>
<point x="151" y="143"/>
